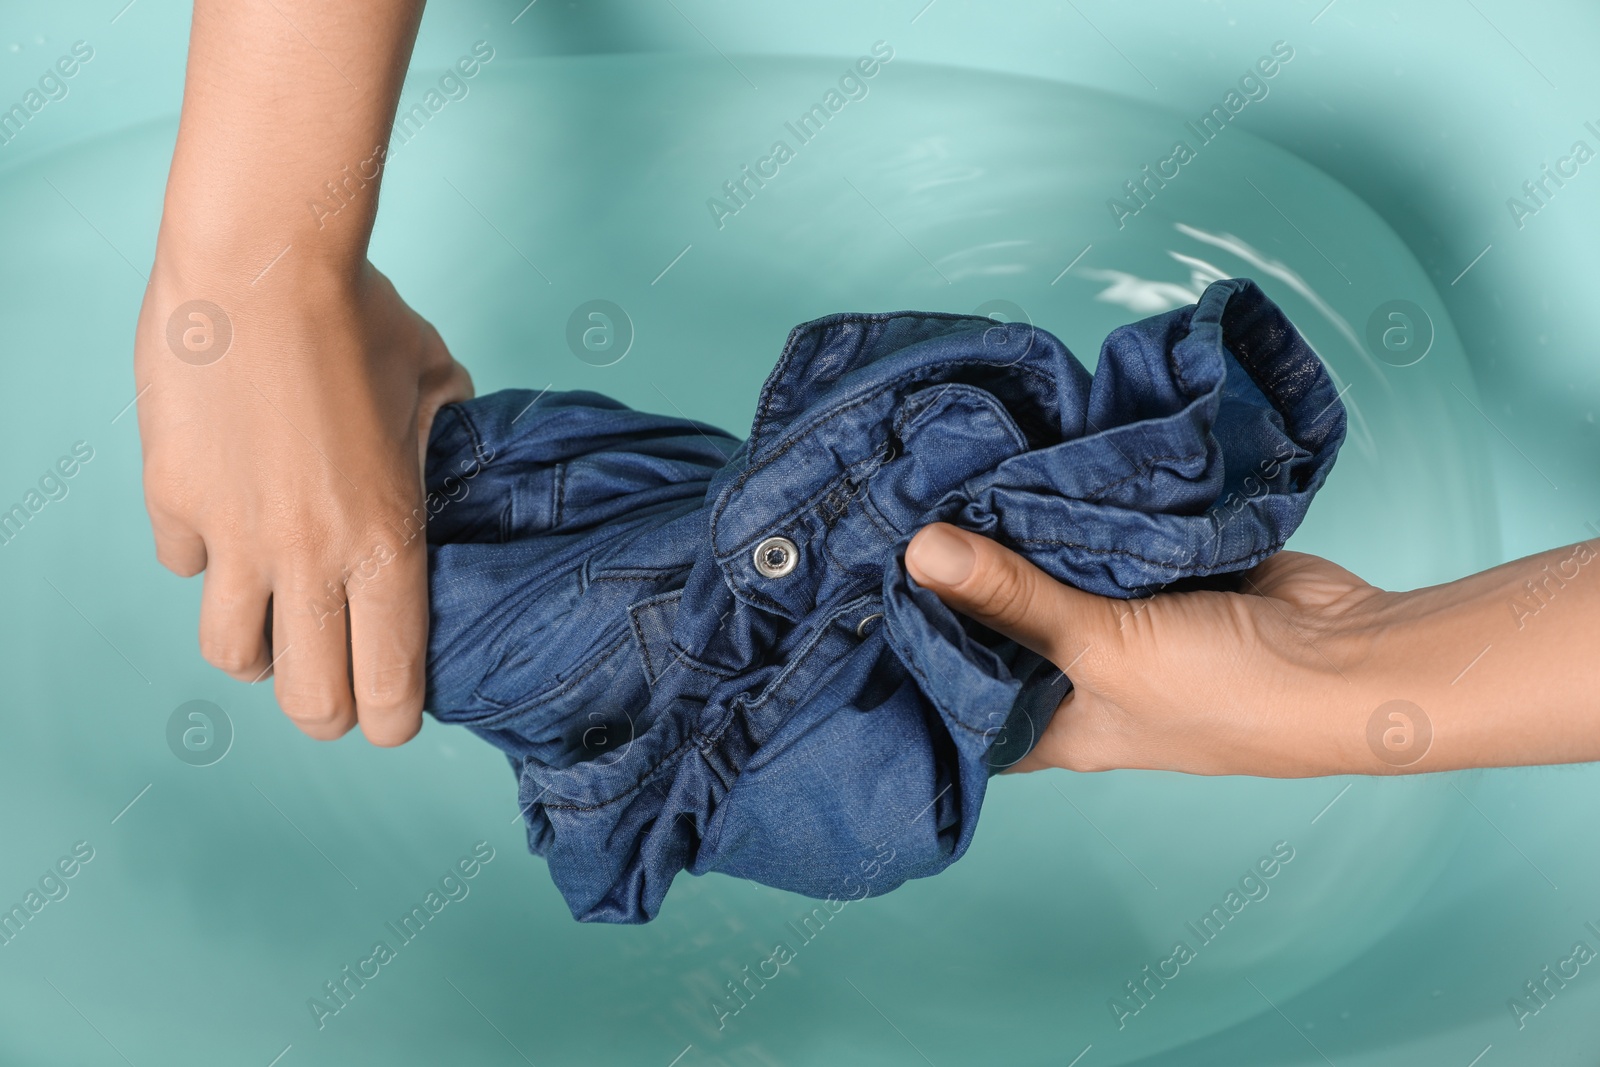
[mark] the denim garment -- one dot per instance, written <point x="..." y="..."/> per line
<point x="679" y="691"/>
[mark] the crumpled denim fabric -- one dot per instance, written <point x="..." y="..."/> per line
<point x="704" y="654"/>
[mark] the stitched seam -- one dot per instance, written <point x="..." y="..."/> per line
<point x="698" y="738"/>
<point x="840" y="412"/>
<point x="651" y="674"/>
<point x="558" y="495"/>
<point x="928" y="688"/>
<point x="807" y="650"/>
<point x="561" y="688"/>
<point x="462" y="416"/>
<point x="878" y="519"/>
<point x="1092" y="494"/>
<point x="827" y="549"/>
<point x="930" y="370"/>
<point x="471" y="428"/>
<point x="1172" y="364"/>
<point x="1135" y="555"/>
<point x="981" y="733"/>
<point x="763" y="413"/>
<point x="982" y="398"/>
<point x="638" y="575"/>
<point x="872" y="326"/>
<point x="807" y="505"/>
<point x="695" y="665"/>
<point x="783" y="521"/>
<point x="636" y="787"/>
<point x="860" y="401"/>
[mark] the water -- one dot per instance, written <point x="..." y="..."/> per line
<point x="225" y="896"/>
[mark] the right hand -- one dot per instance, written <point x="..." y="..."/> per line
<point x="290" y="471"/>
<point x="1205" y="682"/>
<point x="1291" y="677"/>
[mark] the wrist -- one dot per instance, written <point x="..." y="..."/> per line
<point x="247" y="261"/>
<point x="1440" y="687"/>
<point x="284" y="315"/>
<point x="1391" y="679"/>
<point x="243" y="221"/>
<point x="1341" y="687"/>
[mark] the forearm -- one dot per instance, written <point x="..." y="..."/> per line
<point x="1308" y="671"/>
<point x="1504" y="664"/>
<point x="287" y="105"/>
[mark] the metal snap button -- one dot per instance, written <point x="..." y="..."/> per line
<point x="776" y="557"/>
<point x="861" y="627"/>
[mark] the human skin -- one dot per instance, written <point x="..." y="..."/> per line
<point x="1282" y="679"/>
<point x="289" y="470"/>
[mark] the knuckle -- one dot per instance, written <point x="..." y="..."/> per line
<point x="1002" y="592"/>
<point x="1086" y="759"/>
<point x="313" y="707"/>
<point x="228" y="654"/>
<point x="183" y="564"/>
<point x="392" y="497"/>
<point x="1130" y="625"/>
<point x="393" y="688"/>
<point x="391" y="734"/>
<point x="303" y="542"/>
<point x="165" y="474"/>
<point x="330" y="732"/>
<point x="1090" y="750"/>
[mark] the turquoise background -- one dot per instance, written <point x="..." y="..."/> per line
<point x="977" y="169"/>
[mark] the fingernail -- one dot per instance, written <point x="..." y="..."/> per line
<point x="942" y="556"/>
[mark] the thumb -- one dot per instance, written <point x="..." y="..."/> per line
<point x="997" y="587"/>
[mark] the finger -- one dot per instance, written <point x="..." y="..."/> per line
<point x="233" y="613"/>
<point x="1008" y="594"/>
<point x="389" y="640"/>
<point x="450" y="384"/>
<point x="178" y="547"/>
<point x="311" y="671"/>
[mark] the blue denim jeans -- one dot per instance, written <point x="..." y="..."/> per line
<point x="705" y="654"/>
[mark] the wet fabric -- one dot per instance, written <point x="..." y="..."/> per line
<point x="705" y="654"/>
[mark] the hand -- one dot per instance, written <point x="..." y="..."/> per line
<point x="1263" y="682"/>
<point x="289" y="471"/>
<point x="1295" y="675"/>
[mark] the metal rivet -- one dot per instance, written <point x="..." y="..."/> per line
<point x="776" y="557"/>
<point x="861" y="627"/>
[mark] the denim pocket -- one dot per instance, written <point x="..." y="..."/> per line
<point x="549" y="667"/>
<point x="651" y="620"/>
